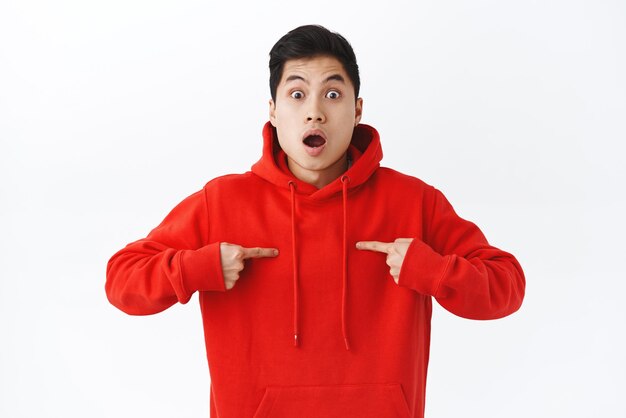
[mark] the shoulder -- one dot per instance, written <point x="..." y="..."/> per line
<point x="393" y="178"/>
<point x="232" y="182"/>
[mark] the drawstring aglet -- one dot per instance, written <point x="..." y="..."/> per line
<point x="295" y="340"/>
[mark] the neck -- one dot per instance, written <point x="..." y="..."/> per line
<point x="319" y="178"/>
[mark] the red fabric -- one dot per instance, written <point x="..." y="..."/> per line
<point x="323" y="290"/>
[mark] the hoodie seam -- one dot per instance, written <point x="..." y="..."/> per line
<point x="303" y="198"/>
<point x="443" y="273"/>
<point x="208" y="218"/>
<point x="432" y="213"/>
<point x="183" y="275"/>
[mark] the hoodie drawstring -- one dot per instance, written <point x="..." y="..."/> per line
<point x="345" y="180"/>
<point x="292" y="186"/>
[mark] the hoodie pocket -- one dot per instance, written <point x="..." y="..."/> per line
<point x="337" y="401"/>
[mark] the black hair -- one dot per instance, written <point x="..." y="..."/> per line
<point x="309" y="41"/>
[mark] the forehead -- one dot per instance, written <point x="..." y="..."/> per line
<point x="314" y="69"/>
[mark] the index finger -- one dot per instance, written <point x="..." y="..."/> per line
<point x="381" y="247"/>
<point x="258" y="252"/>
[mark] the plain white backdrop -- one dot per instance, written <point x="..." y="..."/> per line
<point x="111" y="112"/>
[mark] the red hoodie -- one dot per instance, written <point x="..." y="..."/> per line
<point x="321" y="330"/>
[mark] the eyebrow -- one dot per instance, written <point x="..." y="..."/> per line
<point x="334" y="77"/>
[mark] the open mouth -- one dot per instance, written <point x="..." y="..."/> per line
<point x="314" y="141"/>
<point x="314" y="138"/>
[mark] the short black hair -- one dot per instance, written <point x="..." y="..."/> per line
<point x="309" y="41"/>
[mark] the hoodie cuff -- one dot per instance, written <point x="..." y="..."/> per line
<point x="202" y="269"/>
<point x="422" y="268"/>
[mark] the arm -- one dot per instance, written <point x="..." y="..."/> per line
<point x="455" y="264"/>
<point x="169" y="265"/>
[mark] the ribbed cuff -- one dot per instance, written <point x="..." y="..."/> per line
<point x="422" y="268"/>
<point x="202" y="269"/>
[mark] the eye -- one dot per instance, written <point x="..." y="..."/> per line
<point x="297" y="94"/>
<point x="333" y="94"/>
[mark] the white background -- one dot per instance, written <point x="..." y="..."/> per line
<point x="111" y="112"/>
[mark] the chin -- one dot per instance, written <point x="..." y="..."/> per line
<point x="316" y="166"/>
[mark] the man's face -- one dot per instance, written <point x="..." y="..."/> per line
<point x="314" y="114"/>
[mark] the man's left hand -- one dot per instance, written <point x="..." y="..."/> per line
<point x="395" y="253"/>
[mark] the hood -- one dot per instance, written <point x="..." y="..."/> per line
<point x="365" y="154"/>
<point x="365" y="150"/>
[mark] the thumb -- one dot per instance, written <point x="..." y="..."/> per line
<point x="404" y="240"/>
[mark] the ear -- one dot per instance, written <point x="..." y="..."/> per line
<point x="358" y="111"/>
<point x="272" y="112"/>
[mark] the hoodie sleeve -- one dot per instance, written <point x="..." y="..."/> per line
<point x="169" y="265"/>
<point x="455" y="264"/>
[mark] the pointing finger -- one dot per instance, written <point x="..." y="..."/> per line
<point x="258" y="252"/>
<point x="404" y="240"/>
<point x="381" y="247"/>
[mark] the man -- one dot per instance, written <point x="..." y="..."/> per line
<point x="316" y="269"/>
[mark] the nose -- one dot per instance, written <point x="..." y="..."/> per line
<point x="315" y="112"/>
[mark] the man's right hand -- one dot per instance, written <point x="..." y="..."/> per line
<point x="233" y="259"/>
